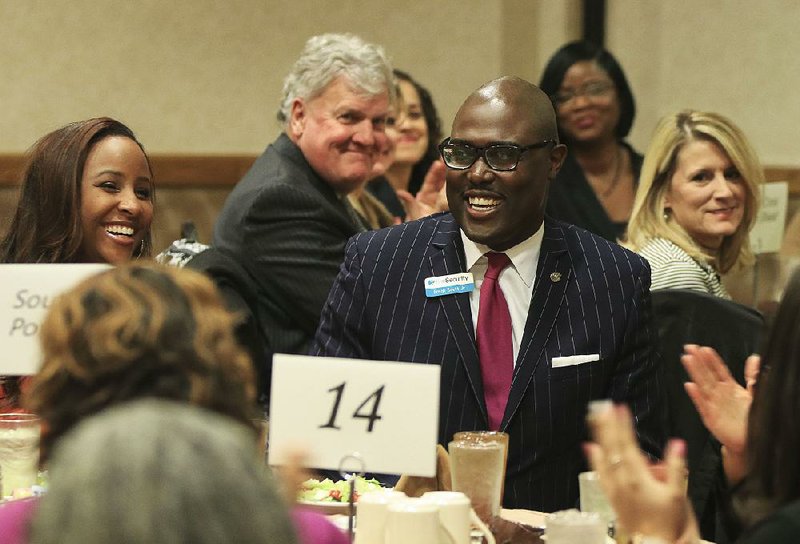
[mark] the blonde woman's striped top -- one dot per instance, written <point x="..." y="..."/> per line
<point x="673" y="268"/>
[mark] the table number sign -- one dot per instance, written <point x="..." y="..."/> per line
<point x="26" y="291"/>
<point x="386" y="412"/>
<point x="766" y="235"/>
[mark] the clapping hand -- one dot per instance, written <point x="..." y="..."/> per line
<point x="643" y="503"/>
<point x="723" y="404"/>
<point x="430" y="198"/>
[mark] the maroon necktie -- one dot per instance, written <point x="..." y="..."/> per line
<point x="495" y="347"/>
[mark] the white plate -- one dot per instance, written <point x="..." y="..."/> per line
<point x="326" y="507"/>
<point x="530" y="518"/>
<point x="609" y="540"/>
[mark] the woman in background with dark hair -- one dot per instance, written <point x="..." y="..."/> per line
<point x="420" y="131"/>
<point x="86" y="197"/>
<point x="416" y="134"/>
<point x="595" y="110"/>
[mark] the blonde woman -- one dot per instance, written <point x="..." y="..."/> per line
<point x="697" y="200"/>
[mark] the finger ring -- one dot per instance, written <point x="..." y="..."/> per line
<point x="614" y="461"/>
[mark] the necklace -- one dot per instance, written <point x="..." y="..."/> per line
<point x="617" y="170"/>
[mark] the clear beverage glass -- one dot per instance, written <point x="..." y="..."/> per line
<point x="477" y="471"/>
<point x="570" y="526"/>
<point x="19" y="451"/>
<point x="593" y="499"/>
<point x="488" y="436"/>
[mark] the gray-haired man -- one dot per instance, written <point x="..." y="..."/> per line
<point x="287" y="221"/>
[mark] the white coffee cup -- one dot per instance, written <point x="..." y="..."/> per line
<point x="455" y="514"/>
<point x="372" y="509"/>
<point x="414" y="521"/>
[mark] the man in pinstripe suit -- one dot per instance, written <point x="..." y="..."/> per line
<point x="579" y="305"/>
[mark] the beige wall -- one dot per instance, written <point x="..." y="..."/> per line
<point x="737" y="57"/>
<point x="205" y="76"/>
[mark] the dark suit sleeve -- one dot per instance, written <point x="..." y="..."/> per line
<point x="340" y="332"/>
<point x="637" y="380"/>
<point x="295" y="248"/>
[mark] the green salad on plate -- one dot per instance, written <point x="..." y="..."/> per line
<point x="329" y="491"/>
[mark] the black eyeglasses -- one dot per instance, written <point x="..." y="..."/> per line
<point x="503" y="157"/>
<point x="594" y="89"/>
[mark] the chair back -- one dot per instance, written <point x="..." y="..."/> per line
<point x="239" y="292"/>
<point x="693" y="317"/>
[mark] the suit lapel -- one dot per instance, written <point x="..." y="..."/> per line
<point x="349" y="216"/>
<point x="553" y="274"/>
<point x="447" y="257"/>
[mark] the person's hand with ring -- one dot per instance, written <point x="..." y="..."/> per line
<point x="643" y="504"/>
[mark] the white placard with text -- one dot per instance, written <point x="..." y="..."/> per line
<point x="26" y="291"/>
<point x="767" y="233"/>
<point x="386" y="412"/>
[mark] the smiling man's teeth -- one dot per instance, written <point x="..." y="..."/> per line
<point x="119" y="229"/>
<point x="482" y="202"/>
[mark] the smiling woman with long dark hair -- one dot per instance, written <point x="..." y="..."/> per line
<point x="595" y="109"/>
<point x="86" y="196"/>
<point x="415" y="133"/>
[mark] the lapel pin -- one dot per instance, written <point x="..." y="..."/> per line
<point x="555" y="277"/>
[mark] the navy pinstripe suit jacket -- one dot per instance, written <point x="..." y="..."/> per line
<point x="377" y="309"/>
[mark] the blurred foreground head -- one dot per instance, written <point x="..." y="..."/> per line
<point x="136" y="331"/>
<point x="154" y="471"/>
<point x="773" y="435"/>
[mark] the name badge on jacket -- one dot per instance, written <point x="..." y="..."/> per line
<point x="437" y="286"/>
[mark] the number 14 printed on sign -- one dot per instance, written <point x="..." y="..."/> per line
<point x="372" y="416"/>
<point x="388" y="412"/>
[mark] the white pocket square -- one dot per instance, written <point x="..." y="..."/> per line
<point x="571" y="360"/>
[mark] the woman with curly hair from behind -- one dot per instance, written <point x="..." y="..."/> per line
<point x="142" y="331"/>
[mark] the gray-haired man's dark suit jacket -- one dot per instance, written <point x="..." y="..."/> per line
<point x="287" y="228"/>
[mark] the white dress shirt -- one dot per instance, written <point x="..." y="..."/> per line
<point x="516" y="280"/>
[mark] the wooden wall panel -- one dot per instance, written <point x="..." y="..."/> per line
<point x="169" y="170"/>
<point x="189" y="188"/>
<point x="194" y="188"/>
<point x="226" y="170"/>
